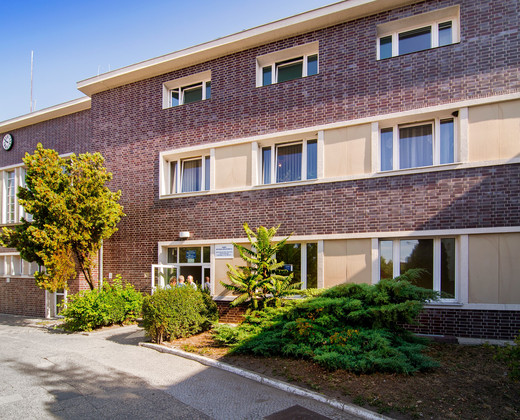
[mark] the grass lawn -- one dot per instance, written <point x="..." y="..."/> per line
<point x="470" y="384"/>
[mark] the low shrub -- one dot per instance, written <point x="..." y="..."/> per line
<point x="357" y="327"/>
<point x="113" y="304"/>
<point x="510" y="354"/>
<point x="178" y="312"/>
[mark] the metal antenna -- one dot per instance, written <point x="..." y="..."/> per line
<point x="32" y="59"/>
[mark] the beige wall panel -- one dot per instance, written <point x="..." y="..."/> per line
<point x="335" y="262"/>
<point x="483" y="260"/>
<point x="347" y="151"/>
<point x="221" y="270"/>
<point x="359" y="261"/>
<point x="509" y="113"/>
<point x="494" y="131"/>
<point x="233" y="166"/>
<point x="509" y="287"/>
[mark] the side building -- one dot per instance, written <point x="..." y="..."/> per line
<point x="382" y="135"/>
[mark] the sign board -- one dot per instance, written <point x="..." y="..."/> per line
<point x="191" y="256"/>
<point x="224" y="251"/>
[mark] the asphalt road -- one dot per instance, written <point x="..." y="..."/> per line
<point x="46" y="374"/>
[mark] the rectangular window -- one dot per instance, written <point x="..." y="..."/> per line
<point x="292" y="162"/>
<point x="191" y="93"/>
<point x="435" y="257"/>
<point x="303" y="265"/>
<point x="417" y="33"/>
<point x="415" y="145"/>
<point x="289" y="64"/>
<point x="189" y="175"/>
<point x="11" y="197"/>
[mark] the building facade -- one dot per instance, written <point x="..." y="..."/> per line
<point x="381" y="135"/>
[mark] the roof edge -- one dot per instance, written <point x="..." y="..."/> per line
<point x="284" y="28"/>
<point x="60" y="110"/>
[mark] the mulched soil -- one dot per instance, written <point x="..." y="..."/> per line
<point x="470" y="384"/>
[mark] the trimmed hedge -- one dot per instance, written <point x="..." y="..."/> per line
<point x="180" y="312"/>
<point x="113" y="304"/>
<point x="357" y="327"/>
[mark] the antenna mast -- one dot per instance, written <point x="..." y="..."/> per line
<point x="32" y="56"/>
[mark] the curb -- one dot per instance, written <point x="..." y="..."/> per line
<point x="275" y="383"/>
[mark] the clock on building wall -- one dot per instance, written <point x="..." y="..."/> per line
<point x="7" y="142"/>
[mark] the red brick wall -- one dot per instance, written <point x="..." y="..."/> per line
<point x="499" y="325"/>
<point x="131" y="128"/>
<point x="232" y="315"/>
<point x="21" y="296"/>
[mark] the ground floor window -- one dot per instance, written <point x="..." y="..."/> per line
<point x="189" y="261"/>
<point x="302" y="260"/>
<point x="436" y="256"/>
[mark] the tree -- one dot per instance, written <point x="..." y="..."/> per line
<point x="71" y="213"/>
<point x="263" y="278"/>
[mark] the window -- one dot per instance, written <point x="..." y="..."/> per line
<point x="437" y="257"/>
<point x="189" y="175"/>
<point x="301" y="260"/>
<point x="192" y="93"/>
<point x="417" y="145"/>
<point x="11" y="196"/>
<point x="289" y="64"/>
<point x="189" y="261"/>
<point x="288" y="162"/>
<point x="186" y="90"/>
<point x="418" y="33"/>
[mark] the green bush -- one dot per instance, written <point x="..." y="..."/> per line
<point x="357" y="327"/>
<point x="178" y="312"/>
<point x="510" y="354"/>
<point x="113" y="304"/>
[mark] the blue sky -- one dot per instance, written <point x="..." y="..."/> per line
<point x="75" y="39"/>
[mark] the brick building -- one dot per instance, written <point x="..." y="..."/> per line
<point x="383" y="135"/>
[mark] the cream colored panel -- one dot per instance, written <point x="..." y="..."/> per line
<point x="509" y="288"/>
<point x="494" y="131"/>
<point x="221" y="270"/>
<point x="483" y="261"/>
<point x="347" y="151"/>
<point x="233" y="166"/>
<point x="335" y="262"/>
<point x="359" y="262"/>
<point x="509" y="113"/>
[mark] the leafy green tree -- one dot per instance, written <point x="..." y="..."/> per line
<point x="72" y="212"/>
<point x="263" y="279"/>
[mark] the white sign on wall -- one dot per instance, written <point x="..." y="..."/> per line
<point x="224" y="251"/>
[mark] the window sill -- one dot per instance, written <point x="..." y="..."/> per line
<point x="444" y="304"/>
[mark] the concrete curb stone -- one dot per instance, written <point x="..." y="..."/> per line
<point x="275" y="383"/>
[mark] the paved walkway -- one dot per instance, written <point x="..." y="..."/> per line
<point x="105" y="375"/>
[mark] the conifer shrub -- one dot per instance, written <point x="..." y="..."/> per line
<point x="357" y="327"/>
<point x="510" y="354"/>
<point x="113" y="304"/>
<point x="174" y="313"/>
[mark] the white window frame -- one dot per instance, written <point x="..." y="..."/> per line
<point x="175" y="186"/>
<point x="182" y="84"/>
<point x="274" y="158"/>
<point x="303" y="262"/>
<point x="436" y="140"/>
<point x="274" y="60"/>
<point x="432" y="19"/>
<point x="396" y="259"/>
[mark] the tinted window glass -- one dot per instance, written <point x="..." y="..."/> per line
<point x="416" y="40"/>
<point x="445" y="37"/>
<point x="418" y="254"/>
<point x="387" y="151"/>
<point x="290" y="70"/>
<point x="312" y="159"/>
<point x="385" y="47"/>
<point x="312" y="65"/>
<point x="267" y="76"/>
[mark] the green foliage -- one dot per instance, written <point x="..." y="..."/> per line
<point x="510" y="354"/>
<point x="178" y="312"/>
<point x="72" y="213"/>
<point x="113" y="304"/>
<point x="357" y="327"/>
<point x="262" y="281"/>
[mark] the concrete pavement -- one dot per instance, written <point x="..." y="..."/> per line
<point x="47" y="374"/>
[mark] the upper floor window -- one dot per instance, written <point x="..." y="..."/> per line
<point x="416" y="145"/>
<point x="186" y="90"/>
<point x="190" y="175"/>
<point x="289" y="64"/>
<point x="417" y="33"/>
<point x="10" y="204"/>
<point x="288" y="162"/>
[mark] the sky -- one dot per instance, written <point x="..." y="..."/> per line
<point x="73" y="40"/>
